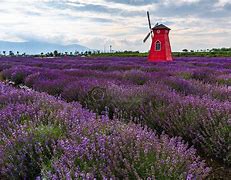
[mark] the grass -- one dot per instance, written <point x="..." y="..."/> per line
<point x="174" y="54"/>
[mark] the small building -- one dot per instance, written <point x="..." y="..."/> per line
<point x="160" y="48"/>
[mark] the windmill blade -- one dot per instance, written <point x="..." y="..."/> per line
<point x="149" y="22"/>
<point x="145" y="39"/>
<point x="152" y="33"/>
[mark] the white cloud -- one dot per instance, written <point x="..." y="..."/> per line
<point x="97" y="23"/>
<point x="223" y="2"/>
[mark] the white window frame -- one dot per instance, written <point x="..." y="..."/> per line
<point x="156" y="45"/>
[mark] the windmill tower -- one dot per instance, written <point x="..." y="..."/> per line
<point x="160" y="48"/>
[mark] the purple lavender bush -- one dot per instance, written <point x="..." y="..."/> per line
<point x="16" y="75"/>
<point x="189" y="97"/>
<point x="43" y="137"/>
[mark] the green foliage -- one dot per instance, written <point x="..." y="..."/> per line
<point x="144" y="167"/>
<point x="223" y="52"/>
<point x="211" y="53"/>
<point x="42" y="132"/>
<point x="1" y="77"/>
<point x="225" y="81"/>
<point x="122" y="54"/>
<point x="18" y="78"/>
<point x="185" y="75"/>
<point x="86" y="165"/>
<point x="37" y="150"/>
<point x="29" y="165"/>
<point x="136" y="77"/>
<point x="145" y="163"/>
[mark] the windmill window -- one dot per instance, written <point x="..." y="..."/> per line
<point x="158" y="46"/>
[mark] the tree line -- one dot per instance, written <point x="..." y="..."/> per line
<point x="214" y="52"/>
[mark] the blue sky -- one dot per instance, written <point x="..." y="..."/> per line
<point x="195" y="24"/>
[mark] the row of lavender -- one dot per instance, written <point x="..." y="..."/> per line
<point x="194" y="81"/>
<point x="45" y="138"/>
<point x="188" y="98"/>
<point x="210" y="70"/>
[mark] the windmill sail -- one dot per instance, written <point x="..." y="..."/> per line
<point x="149" y="22"/>
<point x="145" y="39"/>
<point x="150" y="27"/>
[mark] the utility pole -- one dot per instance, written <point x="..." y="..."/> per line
<point x="110" y="48"/>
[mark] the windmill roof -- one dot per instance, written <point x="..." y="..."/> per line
<point x="161" y="26"/>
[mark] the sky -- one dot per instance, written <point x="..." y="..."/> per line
<point x="97" y="24"/>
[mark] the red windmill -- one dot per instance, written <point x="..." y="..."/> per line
<point x="160" y="48"/>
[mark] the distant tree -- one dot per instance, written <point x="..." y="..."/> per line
<point x="11" y="53"/>
<point x="71" y="53"/>
<point x="66" y="53"/>
<point x="56" y="53"/>
<point x="17" y="53"/>
<point x="223" y="49"/>
<point x="191" y="50"/>
<point x="86" y="53"/>
<point x="185" y="50"/>
<point x="76" y="53"/>
<point x="4" y="53"/>
<point x="49" y="54"/>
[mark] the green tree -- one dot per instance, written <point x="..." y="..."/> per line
<point x="185" y="50"/>
<point x="56" y="53"/>
<point x="11" y="53"/>
<point x="76" y="53"/>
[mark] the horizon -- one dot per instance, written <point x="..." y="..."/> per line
<point x="97" y="24"/>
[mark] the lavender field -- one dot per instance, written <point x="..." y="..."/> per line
<point x="70" y="118"/>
